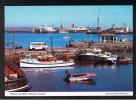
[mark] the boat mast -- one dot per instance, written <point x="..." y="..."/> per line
<point x="98" y="19"/>
<point x="12" y="44"/>
<point x="67" y="54"/>
<point x="12" y="40"/>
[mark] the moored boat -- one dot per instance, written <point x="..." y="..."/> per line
<point x="66" y="37"/>
<point x="79" y="77"/>
<point x="97" y="55"/>
<point x="34" y="63"/>
<point x="15" y="82"/>
<point x="17" y="85"/>
<point x="87" y="82"/>
<point x="111" y="59"/>
<point x="47" y="61"/>
<point x="123" y="60"/>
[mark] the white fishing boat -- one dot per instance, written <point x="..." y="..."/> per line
<point x="35" y="63"/>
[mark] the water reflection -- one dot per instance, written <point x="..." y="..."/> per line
<point x="46" y="69"/>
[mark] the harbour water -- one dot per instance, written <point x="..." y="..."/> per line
<point x="109" y="78"/>
<point x="24" y="39"/>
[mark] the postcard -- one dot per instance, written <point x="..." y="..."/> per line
<point x="69" y="50"/>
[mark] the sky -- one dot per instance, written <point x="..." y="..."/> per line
<point x="81" y="16"/>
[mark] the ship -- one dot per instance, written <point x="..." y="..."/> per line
<point x="44" y="29"/>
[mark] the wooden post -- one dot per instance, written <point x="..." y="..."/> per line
<point x="113" y="39"/>
<point x="51" y="45"/>
<point x="13" y="40"/>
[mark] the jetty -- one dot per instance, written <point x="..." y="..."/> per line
<point x="75" y="48"/>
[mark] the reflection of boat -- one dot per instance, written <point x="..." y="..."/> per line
<point x="46" y="69"/>
<point x="35" y="63"/>
<point x="79" y="77"/>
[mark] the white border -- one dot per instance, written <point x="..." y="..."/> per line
<point x="128" y="93"/>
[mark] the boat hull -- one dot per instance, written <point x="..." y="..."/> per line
<point x="85" y="57"/>
<point x="18" y="85"/>
<point x="80" y="77"/>
<point x="73" y="79"/>
<point x="90" y="58"/>
<point x="24" y="64"/>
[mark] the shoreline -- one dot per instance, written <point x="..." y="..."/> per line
<point x="27" y="32"/>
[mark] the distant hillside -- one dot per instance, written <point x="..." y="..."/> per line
<point x="18" y="29"/>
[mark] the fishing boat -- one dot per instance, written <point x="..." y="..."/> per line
<point x="79" y="77"/>
<point x="45" y="62"/>
<point x="123" y="60"/>
<point x="34" y="63"/>
<point x="14" y="82"/>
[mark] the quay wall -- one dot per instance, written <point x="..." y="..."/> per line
<point x="109" y="47"/>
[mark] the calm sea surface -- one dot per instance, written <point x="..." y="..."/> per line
<point x="24" y="39"/>
<point x="109" y="78"/>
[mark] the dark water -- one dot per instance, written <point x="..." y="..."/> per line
<point x="24" y="39"/>
<point x="109" y="78"/>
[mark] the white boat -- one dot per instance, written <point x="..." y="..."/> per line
<point x="97" y="55"/>
<point x="34" y="63"/>
<point x="66" y="37"/>
<point x="112" y="59"/>
<point x="80" y="77"/>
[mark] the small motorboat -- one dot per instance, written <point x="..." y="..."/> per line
<point x="87" y="82"/>
<point x="79" y="77"/>
<point x="97" y="56"/>
<point x="112" y="59"/>
<point x="123" y="60"/>
<point x="66" y="37"/>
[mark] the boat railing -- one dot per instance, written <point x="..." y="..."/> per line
<point x="14" y="84"/>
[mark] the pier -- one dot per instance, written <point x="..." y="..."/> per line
<point x="75" y="48"/>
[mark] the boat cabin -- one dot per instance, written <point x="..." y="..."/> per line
<point x="9" y="74"/>
<point x="46" y="58"/>
<point x="108" y="38"/>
